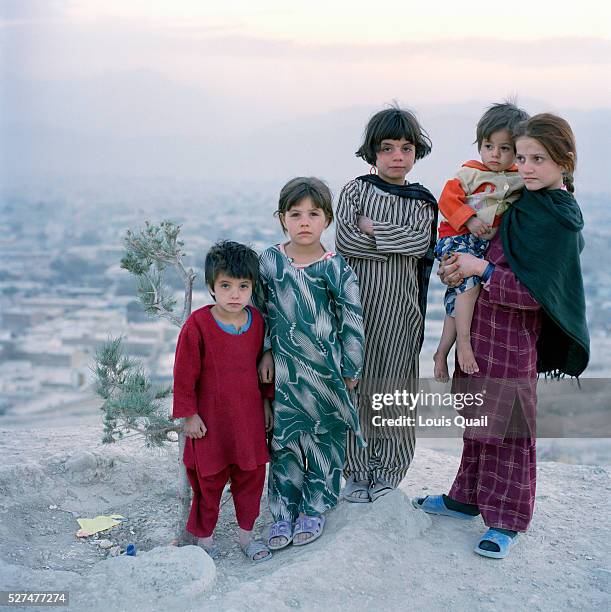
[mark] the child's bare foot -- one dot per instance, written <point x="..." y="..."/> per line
<point x="466" y="358"/>
<point x="278" y="542"/>
<point x="440" y="371"/>
<point x="300" y="538"/>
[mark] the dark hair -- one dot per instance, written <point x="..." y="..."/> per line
<point x="305" y="187"/>
<point x="500" y="116"/>
<point x="393" y="123"/>
<point x="233" y="259"/>
<point x="556" y="136"/>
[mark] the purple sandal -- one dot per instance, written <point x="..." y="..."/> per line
<point x="309" y="524"/>
<point x="280" y="529"/>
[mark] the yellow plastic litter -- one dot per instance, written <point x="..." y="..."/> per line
<point x="97" y="524"/>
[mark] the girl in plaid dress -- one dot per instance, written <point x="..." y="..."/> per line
<point x="529" y="318"/>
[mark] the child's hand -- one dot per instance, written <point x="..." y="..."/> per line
<point x="194" y="427"/>
<point x="477" y="227"/>
<point x="470" y="265"/>
<point x="365" y="225"/>
<point x="489" y="235"/>
<point x="269" y="415"/>
<point x="351" y="383"/>
<point x="448" y="271"/>
<point x="266" y="367"/>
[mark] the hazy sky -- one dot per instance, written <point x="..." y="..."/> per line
<point x="307" y="56"/>
<point x="264" y="90"/>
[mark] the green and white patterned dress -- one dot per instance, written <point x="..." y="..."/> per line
<point x="315" y="331"/>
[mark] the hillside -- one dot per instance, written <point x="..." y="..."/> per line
<point x="384" y="555"/>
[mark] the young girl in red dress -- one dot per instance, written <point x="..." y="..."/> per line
<point x="217" y="392"/>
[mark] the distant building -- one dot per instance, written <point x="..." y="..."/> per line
<point x="18" y="319"/>
<point x="136" y="314"/>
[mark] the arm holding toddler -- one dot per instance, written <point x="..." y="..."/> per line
<point x="503" y="286"/>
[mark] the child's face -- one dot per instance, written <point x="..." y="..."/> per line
<point x="395" y="159"/>
<point x="304" y="222"/>
<point x="536" y="167"/>
<point x="232" y="294"/>
<point x="497" y="151"/>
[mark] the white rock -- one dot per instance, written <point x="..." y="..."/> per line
<point x="152" y="580"/>
<point x="81" y="461"/>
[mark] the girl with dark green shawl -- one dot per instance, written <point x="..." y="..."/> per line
<point x="529" y="319"/>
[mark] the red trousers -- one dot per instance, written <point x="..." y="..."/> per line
<point x="500" y="479"/>
<point x="246" y="489"/>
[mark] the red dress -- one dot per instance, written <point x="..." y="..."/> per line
<point x="215" y="376"/>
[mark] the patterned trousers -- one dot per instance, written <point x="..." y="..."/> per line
<point x="500" y="479"/>
<point x="387" y="458"/>
<point x="304" y="475"/>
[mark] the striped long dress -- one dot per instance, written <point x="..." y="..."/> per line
<point x="386" y="265"/>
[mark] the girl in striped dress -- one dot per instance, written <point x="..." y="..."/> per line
<point x="386" y="230"/>
<point x="315" y="332"/>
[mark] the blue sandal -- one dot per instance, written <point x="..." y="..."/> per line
<point x="434" y="504"/>
<point x="503" y="541"/>
<point x="309" y="524"/>
<point x="280" y="529"/>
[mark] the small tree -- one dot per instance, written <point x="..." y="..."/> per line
<point x="132" y="404"/>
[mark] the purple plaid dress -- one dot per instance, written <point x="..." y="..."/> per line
<point x="498" y="466"/>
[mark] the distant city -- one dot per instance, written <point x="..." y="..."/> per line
<point x="63" y="292"/>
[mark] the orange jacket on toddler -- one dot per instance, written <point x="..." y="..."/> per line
<point x="477" y="190"/>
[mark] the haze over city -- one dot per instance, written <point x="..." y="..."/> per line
<point x="264" y="91"/>
<point x="118" y="112"/>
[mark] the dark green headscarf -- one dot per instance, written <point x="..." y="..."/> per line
<point x="542" y="240"/>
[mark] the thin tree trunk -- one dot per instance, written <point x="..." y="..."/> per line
<point x="183" y="537"/>
<point x="184" y="486"/>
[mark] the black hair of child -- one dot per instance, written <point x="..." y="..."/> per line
<point x="393" y="124"/>
<point x="232" y="259"/>
<point x="305" y="187"/>
<point x="500" y="116"/>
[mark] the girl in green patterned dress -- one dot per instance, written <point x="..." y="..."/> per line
<point x="310" y="300"/>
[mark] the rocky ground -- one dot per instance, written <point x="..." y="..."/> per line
<point x="375" y="556"/>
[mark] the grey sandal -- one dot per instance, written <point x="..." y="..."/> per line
<point x="379" y="488"/>
<point x="253" y="548"/>
<point x="213" y="551"/>
<point x="354" y="489"/>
